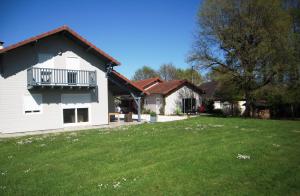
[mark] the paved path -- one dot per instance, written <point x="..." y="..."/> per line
<point x="68" y="129"/>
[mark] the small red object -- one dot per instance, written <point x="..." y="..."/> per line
<point x="202" y="109"/>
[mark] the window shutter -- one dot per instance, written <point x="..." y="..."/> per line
<point x="32" y="102"/>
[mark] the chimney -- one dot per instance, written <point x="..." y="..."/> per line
<point x="1" y="45"/>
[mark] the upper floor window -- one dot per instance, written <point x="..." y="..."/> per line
<point x="73" y="63"/>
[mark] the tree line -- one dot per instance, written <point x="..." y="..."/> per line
<point x="168" y="72"/>
<point x="252" y="48"/>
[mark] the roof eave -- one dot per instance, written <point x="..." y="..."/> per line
<point x="55" y="31"/>
<point x="143" y="92"/>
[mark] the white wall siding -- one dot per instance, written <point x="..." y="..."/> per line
<point x="174" y="100"/>
<point x="242" y="106"/>
<point x="100" y="104"/>
<point x="222" y="106"/>
<point x="218" y="105"/>
<point x="150" y="102"/>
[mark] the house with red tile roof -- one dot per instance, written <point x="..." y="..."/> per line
<point x="167" y="97"/>
<point x="59" y="79"/>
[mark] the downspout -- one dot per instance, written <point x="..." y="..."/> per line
<point x="1" y="58"/>
<point x="1" y="65"/>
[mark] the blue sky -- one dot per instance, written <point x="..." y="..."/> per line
<point x="135" y="32"/>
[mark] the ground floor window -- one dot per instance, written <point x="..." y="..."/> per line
<point x="188" y="105"/>
<point x="76" y="115"/>
<point x="82" y="114"/>
<point x="69" y="115"/>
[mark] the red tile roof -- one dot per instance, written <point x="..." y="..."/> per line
<point x="165" y="87"/>
<point x="147" y="82"/>
<point x="58" y="30"/>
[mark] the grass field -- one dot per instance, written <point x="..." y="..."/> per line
<point x="198" y="156"/>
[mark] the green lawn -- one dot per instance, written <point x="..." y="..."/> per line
<point x="198" y="156"/>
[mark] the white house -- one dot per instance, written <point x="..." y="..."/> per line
<point x="167" y="97"/>
<point x="58" y="79"/>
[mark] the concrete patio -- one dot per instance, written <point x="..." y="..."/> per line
<point x="160" y="118"/>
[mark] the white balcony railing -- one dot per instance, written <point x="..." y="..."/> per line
<point x="60" y="77"/>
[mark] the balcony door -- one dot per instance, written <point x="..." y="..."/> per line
<point x="188" y="105"/>
<point x="73" y="63"/>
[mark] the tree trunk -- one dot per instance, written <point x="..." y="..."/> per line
<point x="292" y="111"/>
<point x="249" y="110"/>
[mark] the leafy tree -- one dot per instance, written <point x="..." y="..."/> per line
<point x="144" y="73"/>
<point x="283" y="93"/>
<point x="167" y="71"/>
<point x="226" y="89"/>
<point x="246" y="40"/>
<point x="170" y="72"/>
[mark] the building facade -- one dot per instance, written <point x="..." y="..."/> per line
<point x="54" y="80"/>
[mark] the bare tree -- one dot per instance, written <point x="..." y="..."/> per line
<point x="167" y="71"/>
